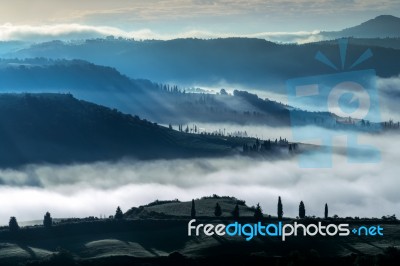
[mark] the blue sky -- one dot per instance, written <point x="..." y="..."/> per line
<point x="185" y="18"/>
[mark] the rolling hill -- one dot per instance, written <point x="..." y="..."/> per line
<point x="165" y="241"/>
<point x="253" y="63"/>
<point x="160" y="103"/>
<point x="383" y="26"/>
<point x="58" y="128"/>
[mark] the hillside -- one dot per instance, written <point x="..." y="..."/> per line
<point x="57" y="128"/>
<point x="60" y="129"/>
<point x="204" y="208"/>
<point x="243" y="61"/>
<point x="393" y="43"/>
<point x="44" y="75"/>
<point x="160" y="103"/>
<point x="380" y="27"/>
<point x="164" y="240"/>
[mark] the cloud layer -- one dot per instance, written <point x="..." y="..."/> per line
<point x="291" y="21"/>
<point x="95" y="189"/>
<point x="78" y="32"/>
<point x="125" y="10"/>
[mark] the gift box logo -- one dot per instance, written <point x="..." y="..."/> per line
<point x="344" y="104"/>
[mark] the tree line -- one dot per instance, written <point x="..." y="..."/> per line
<point x="258" y="212"/>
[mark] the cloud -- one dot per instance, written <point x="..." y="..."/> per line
<point x="172" y="9"/>
<point x="389" y="91"/>
<point x="181" y="16"/>
<point x="61" y="31"/>
<point x="77" y="32"/>
<point x="98" y="188"/>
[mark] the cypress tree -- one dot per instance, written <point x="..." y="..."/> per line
<point x="193" y="210"/>
<point x="217" y="211"/>
<point x="47" y="220"/>
<point x="280" y="209"/>
<point x="326" y="211"/>
<point x="258" y="214"/>
<point x="13" y="224"/>
<point x="118" y="214"/>
<point x="302" y="210"/>
<point x="235" y="212"/>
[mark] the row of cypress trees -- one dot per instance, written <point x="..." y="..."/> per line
<point x="258" y="213"/>
<point x="14" y="226"/>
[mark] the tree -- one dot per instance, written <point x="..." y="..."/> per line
<point x="118" y="214"/>
<point x="302" y="210"/>
<point x="280" y="209"/>
<point x="258" y="214"/>
<point x="326" y="211"/>
<point x="193" y="210"/>
<point x="47" y="221"/>
<point x="13" y="224"/>
<point x="235" y="212"/>
<point x="217" y="211"/>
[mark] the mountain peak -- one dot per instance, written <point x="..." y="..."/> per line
<point x="381" y="21"/>
<point x="386" y="18"/>
<point x="382" y="26"/>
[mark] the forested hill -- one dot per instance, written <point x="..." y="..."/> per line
<point x="161" y="103"/>
<point x="57" y="128"/>
<point x="248" y="62"/>
<point x="383" y="26"/>
<point x="41" y="74"/>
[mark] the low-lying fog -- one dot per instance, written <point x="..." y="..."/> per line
<point x="388" y="91"/>
<point x="98" y="188"/>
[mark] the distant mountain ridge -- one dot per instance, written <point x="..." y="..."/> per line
<point x="383" y="26"/>
<point x="157" y="102"/>
<point x="246" y="62"/>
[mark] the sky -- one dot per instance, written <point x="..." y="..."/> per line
<point x="186" y="18"/>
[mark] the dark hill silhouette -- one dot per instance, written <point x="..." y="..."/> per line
<point x="380" y="27"/>
<point x="41" y="74"/>
<point x="156" y="102"/>
<point x="250" y="62"/>
<point x="57" y="128"/>
<point x="393" y="42"/>
<point x="146" y="237"/>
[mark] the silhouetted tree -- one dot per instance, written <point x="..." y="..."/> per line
<point x="280" y="209"/>
<point x="302" y="210"/>
<point x="258" y="214"/>
<point x="118" y="214"/>
<point x="235" y="212"/>
<point x="193" y="210"/>
<point x="217" y="210"/>
<point x="47" y="221"/>
<point x="223" y="92"/>
<point x="13" y="224"/>
<point x="326" y="211"/>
